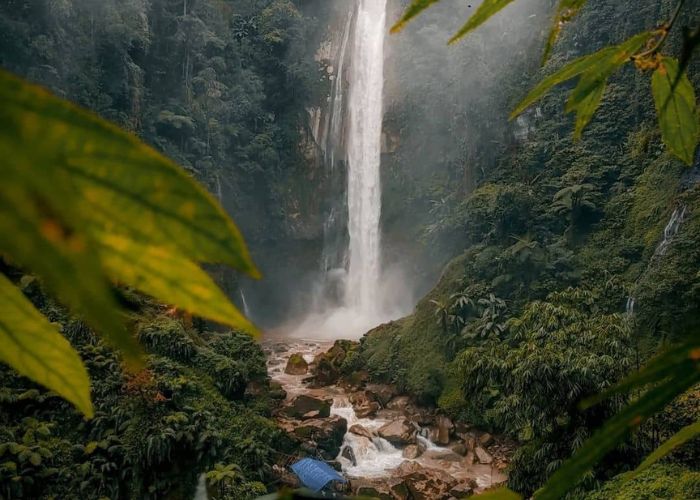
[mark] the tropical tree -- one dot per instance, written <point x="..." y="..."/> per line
<point x="492" y="309"/>
<point x="574" y="202"/>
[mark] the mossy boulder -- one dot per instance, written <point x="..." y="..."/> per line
<point x="296" y="365"/>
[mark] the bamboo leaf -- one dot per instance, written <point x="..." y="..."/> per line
<point x="126" y="186"/>
<point x="566" y="11"/>
<point x="416" y="7"/>
<point x="486" y="10"/>
<point x="169" y="277"/>
<point x="614" y="431"/>
<point x="678" y="439"/>
<point x="33" y="347"/>
<point x="676" y="109"/>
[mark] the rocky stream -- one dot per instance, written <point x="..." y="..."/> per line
<point x="383" y="442"/>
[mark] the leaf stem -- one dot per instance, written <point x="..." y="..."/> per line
<point x="664" y="31"/>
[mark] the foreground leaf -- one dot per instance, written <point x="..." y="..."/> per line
<point x="680" y="438"/>
<point x="566" y="11"/>
<point x="169" y="277"/>
<point x="614" y="431"/>
<point x="596" y="67"/>
<point x="486" y="10"/>
<point x="586" y="108"/>
<point x="416" y="7"/>
<point x="500" y="494"/>
<point x="676" y="108"/>
<point x="126" y="186"/>
<point x="33" y="347"/>
<point x="40" y="230"/>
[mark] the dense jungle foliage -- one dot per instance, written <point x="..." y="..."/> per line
<point x="572" y="262"/>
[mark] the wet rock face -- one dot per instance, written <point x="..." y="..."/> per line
<point x="399" y="432"/>
<point x="326" y="433"/>
<point x="296" y="365"/>
<point x="305" y="407"/>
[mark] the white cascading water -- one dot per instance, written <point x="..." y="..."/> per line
<point x="364" y="150"/>
<point x="361" y="304"/>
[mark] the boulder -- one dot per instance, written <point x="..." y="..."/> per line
<point x="360" y="431"/>
<point x="444" y="429"/>
<point x="424" y="483"/>
<point x="303" y="405"/>
<point x="463" y="489"/>
<point x="442" y="454"/>
<point x="483" y="456"/>
<point x="327" y="433"/>
<point x="413" y="451"/>
<point x="296" y="365"/>
<point x="399" y="432"/>
<point x="277" y="391"/>
<point x="401" y="403"/>
<point x="363" y="404"/>
<point x="382" y="393"/>
<point x="459" y="448"/>
<point x="327" y="365"/>
<point x="486" y="440"/>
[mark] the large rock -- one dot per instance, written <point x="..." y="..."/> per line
<point x="424" y="483"/>
<point x="303" y="406"/>
<point x="327" y="366"/>
<point x="360" y="431"/>
<point x="364" y="404"/>
<point x="296" y="365"/>
<point x="401" y="403"/>
<point x="483" y="456"/>
<point x="463" y="489"/>
<point x="444" y="428"/>
<point x="413" y="451"/>
<point x="442" y="454"/>
<point x="327" y="433"/>
<point x="399" y="432"/>
<point x="382" y="393"/>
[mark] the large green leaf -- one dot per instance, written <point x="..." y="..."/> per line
<point x="566" y="10"/>
<point x="126" y="186"/>
<point x="500" y="494"/>
<point x="32" y="346"/>
<point x="678" y="439"/>
<point x="596" y="68"/>
<point x="586" y="108"/>
<point x="676" y="109"/>
<point x="40" y="230"/>
<point x="485" y="11"/>
<point x="614" y="431"/>
<point x="170" y="277"/>
<point x="416" y="7"/>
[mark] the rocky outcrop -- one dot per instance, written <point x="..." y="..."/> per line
<point x="399" y="432"/>
<point x="296" y="365"/>
<point x="305" y="407"/>
<point x="325" y="434"/>
<point x="327" y="365"/>
<point x="364" y="404"/>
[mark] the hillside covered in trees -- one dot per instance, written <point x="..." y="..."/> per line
<point x="516" y="270"/>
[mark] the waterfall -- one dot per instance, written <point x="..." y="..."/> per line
<point x="363" y="150"/>
<point x="670" y="231"/>
<point x="246" y="309"/>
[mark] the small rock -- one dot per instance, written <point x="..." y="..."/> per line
<point x="402" y="403"/>
<point x="303" y="404"/>
<point x="469" y="458"/>
<point x="348" y="454"/>
<point x="444" y="427"/>
<point x="486" y="439"/>
<point x="311" y="414"/>
<point x="459" y="448"/>
<point x="483" y="456"/>
<point x="383" y="393"/>
<point x="463" y="489"/>
<point x="442" y="454"/>
<point x="296" y="365"/>
<point x="412" y="451"/>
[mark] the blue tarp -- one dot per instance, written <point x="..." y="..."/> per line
<point x="315" y="474"/>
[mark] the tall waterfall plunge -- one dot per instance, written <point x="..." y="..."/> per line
<point x="363" y="150"/>
<point x="353" y="297"/>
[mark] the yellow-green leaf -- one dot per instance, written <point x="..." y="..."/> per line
<point x="40" y="229"/>
<point x="500" y="494"/>
<point x="487" y="9"/>
<point x="597" y="66"/>
<point x="566" y="10"/>
<point x="586" y="108"/>
<point x="676" y="109"/>
<point x="416" y="7"/>
<point x="125" y="186"/>
<point x="170" y="277"/>
<point x="33" y="347"/>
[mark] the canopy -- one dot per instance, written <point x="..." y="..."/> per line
<point x="315" y="474"/>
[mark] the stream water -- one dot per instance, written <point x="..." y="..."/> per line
<point x="375" y="458"/>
